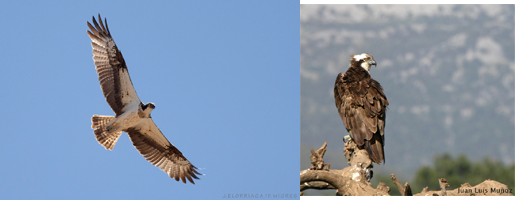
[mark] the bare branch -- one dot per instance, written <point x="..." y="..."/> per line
<point x="443" y="185"/>
<point x="327" y="176"/>
<point x="317" y="158"/>
<point x="398" y="184"/>
<point x="382" y="186"/>
<point x="317" y="185"/>
<point x="354" y="179"/>
<point x="482" y="189"/>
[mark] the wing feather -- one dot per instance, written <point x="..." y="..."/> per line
<point x="339" y="91"/>
<point x="156" y="149"/>
<point x="362" y="106"/>
<point x="111" y="68"/>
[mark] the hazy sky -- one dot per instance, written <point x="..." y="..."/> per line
<point x="224" y="77"/>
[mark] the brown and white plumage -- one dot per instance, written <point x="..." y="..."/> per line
<point x="132" y="116"/>
<point x="362" y="104"/>
<point x="111" y="68"/>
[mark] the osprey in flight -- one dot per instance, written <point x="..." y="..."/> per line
<point x="132" y="116"/>
<point x="362" y="105"/>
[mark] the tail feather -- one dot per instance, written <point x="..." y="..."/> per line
<point x="375" y="149"/>
<point x="106" y="139"/>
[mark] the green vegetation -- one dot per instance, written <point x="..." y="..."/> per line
<point x="461" y="170"/>
<point x="456" y="170"/>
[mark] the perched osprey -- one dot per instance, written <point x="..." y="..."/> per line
<point x="362" y="105"/>
<point x="132" y="116"/>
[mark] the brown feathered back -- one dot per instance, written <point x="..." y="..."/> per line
<point x="362" y="106"/>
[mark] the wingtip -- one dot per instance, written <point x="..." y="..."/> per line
<point x="191" y="181"/>
<point x="99" y="18"/>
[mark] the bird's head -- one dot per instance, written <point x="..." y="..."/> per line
<point x="364" y="60"/>
<point x="146" y="109"/>
<point x="152" y="106"/>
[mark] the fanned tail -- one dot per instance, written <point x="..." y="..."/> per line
<point x="106" y="139"/>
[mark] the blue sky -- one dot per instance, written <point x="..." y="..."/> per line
<point x="224" y="77"/>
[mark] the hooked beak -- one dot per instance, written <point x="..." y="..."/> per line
<point x="372" y="62"/>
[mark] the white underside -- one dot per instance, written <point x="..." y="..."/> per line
<point x="131" y="119"/>
<point x="128" y="119"/>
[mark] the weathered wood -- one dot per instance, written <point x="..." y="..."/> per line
<point x="354" y="179"/>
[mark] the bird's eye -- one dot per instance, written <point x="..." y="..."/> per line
<point x="366" y="58"/>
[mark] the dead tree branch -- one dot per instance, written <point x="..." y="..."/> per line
<point x="398" y="184"/>
<point x="404" y="190"/>
<point x="317" y="185"/>
<point x="317" y="159"/>
<point x="354" y="179"/>
<point x="350" y="181"/>
<point x="486" y="188"/>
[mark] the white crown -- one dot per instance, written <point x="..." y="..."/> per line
<point x="359" y="56"/>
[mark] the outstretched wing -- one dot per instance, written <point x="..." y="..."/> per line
<point x="111" y="68"/>
<point x="154" y="146"/>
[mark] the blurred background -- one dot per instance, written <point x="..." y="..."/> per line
<point x="448" y="73"/>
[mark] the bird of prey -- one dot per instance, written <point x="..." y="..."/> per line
<point x="362" y="104"/>
<point x="131" y="115"/>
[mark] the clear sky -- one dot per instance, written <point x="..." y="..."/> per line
<point x="224" y="77"/>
